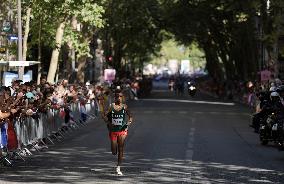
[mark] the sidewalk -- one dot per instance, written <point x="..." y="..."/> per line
<point x="237" y="100"/>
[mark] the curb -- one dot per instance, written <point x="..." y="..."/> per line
<point x="215" y="96"/>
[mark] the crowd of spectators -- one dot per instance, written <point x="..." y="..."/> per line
<point x="29" y="100"/>
<point x="236" y="90"/>
<point x="22" y="100"/>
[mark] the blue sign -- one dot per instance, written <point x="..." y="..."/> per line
<point x="13" y="37"/>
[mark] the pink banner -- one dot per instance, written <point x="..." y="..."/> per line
<point x="109" y="74"/>
<point x="265" y="75"/>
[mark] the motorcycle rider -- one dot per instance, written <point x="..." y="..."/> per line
<point x="276" y="103"/>
<point x="280" y="116"/>
<point x="262" y="109"/>
<point x="280" y="90"/>
<point x="191" y="86"/>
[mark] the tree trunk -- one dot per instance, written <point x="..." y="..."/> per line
<point x="81" y="69"/>
<point x="71" y="63"/>
<point x="39" y="52"/>
<point x="26" y="35"/>
<point x="55" y="53"/>
<point x="117" y="58"/>
<point x="228" y="65"/>
<point x="25" y="42"/>
<point x="212" y="63"/>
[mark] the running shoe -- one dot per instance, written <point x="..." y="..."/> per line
<point x="118" y="171"/>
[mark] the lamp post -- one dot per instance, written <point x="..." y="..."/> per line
<point x="20" y="40"/>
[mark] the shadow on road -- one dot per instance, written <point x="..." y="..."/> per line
<point x="81" y="165"/>
<point x="85" y="158"/>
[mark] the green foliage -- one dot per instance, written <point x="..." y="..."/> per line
<point x="226" y="30"/>
<point x="89" y="13"/>
<point x="172" y="50"/>
<point x="78" y="42"/>
<point x="132" y="30"/>
<point x="50" y="13"/>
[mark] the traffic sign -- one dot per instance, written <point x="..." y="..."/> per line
<point x="12" y="37"/>
<point x="19" y="63"/>
<point x="6" y="27"/>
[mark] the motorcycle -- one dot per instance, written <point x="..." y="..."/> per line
<point x="271" y="130"/>
<point x="260" y="116"/>
<point x="191" y="89"/>
<point x="280" y="140"/>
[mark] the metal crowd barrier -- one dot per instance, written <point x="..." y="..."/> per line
<point x="44" y="127"/>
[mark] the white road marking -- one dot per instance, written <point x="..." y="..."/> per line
<point x="165" y="112"/>
<point x="148" y="112"/>
<point x="214" y="112"/>
<point x="199" y="112"/>
<point x="190" y="101"/>
<point x="189" y="153"/>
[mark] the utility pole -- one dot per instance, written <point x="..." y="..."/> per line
<point x="20" y="40"/>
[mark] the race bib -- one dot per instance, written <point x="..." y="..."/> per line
<point x="117" y="121"/>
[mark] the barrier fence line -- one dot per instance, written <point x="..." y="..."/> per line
<point x="32" y="131"/>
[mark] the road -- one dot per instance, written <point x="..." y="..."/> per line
<point x="172" y="140"/>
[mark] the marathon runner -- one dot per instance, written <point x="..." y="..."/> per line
<point x="117" y="124"/>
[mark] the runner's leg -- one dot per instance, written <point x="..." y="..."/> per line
<point x="114" y="146"/>
<point x="120" y="140"/>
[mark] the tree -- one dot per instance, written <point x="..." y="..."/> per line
<point x="54" y="18"/>
<point x="132" y="31"/>
<point x="88" y="13"/>
<point x="224" y="29"/>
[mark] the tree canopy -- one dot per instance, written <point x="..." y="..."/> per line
<point x="229" y="32"/>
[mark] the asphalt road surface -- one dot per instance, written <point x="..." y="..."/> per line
<point x="172" y="140"/>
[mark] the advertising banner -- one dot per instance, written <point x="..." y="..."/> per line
<point x="265" y="75"/>
<point x="9" y="76"/>
<point x="109" y="74"/>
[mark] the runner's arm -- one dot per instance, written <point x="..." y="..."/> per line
<point x="105" y="117"/>
<point x="130" y="118"/>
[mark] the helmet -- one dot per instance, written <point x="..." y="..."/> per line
<point x="272" y="89"/>
<point x="274" y="94"/>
